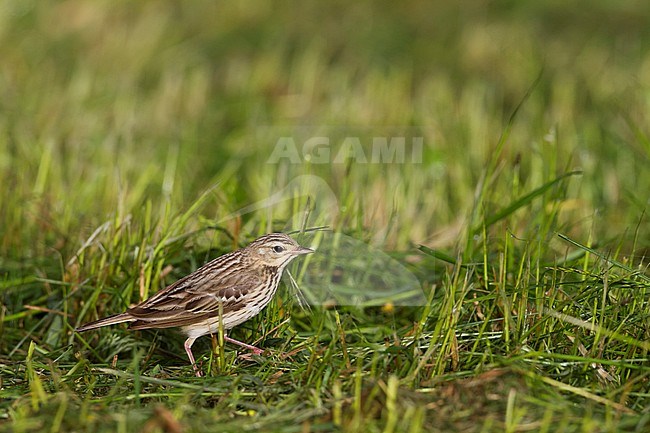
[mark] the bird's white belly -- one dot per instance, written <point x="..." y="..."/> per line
<point x="229" y="321"/>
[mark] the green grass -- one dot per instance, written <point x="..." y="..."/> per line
<point x="134" y="147"/>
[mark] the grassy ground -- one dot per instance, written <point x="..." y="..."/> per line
<point x="136" y="142"/>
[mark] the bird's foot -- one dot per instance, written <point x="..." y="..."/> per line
<point x="255" y="350"/>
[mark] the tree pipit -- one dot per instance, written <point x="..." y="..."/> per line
<point x="225" y="292"/>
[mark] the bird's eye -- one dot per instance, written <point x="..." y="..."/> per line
<point x="278" y="248"/>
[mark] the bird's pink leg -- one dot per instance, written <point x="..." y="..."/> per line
<point x="188" y="349"/>
<point x="255" y="350"/>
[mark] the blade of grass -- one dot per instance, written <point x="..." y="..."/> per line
<point x="578" y="391"/>
<point x="523" y="201"/>
<point x="596" y="328"/>
<point x="604" y="257"/>
<point x="157" y="381"/>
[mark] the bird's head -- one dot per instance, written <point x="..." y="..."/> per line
<point x="275" y="250"/>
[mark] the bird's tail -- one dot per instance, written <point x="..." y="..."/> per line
<point x="106" y="321"/>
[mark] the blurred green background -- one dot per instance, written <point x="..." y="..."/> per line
<point x="130" y="130"/>
<point x="107" y="105"/>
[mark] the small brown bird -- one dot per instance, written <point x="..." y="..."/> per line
<point x="238" y="284"/>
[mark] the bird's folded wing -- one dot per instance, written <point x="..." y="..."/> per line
<point x="186" y="302"/>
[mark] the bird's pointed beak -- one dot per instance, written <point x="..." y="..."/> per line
<point x="302" y="250"/>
